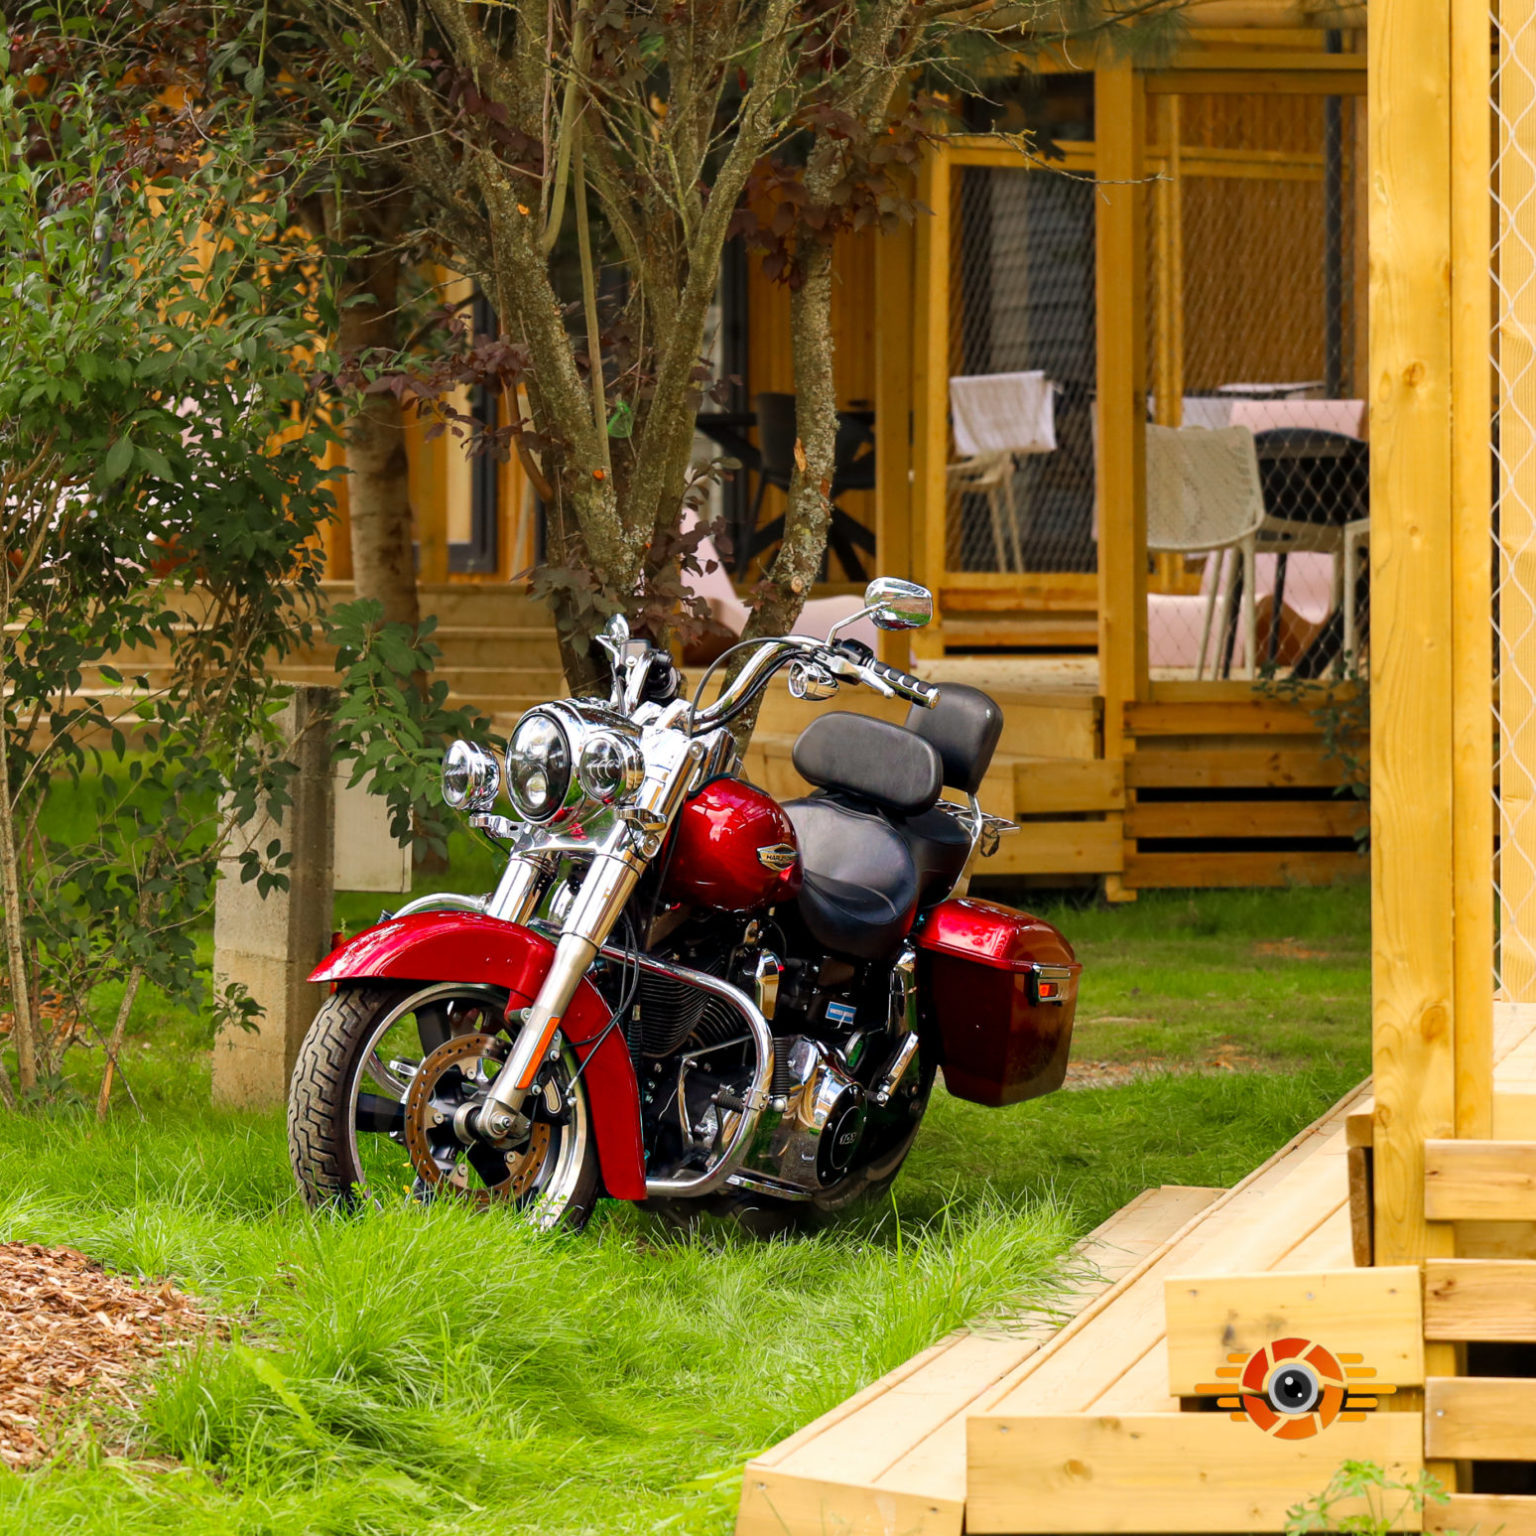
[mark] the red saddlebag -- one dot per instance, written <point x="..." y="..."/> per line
<point x="998" y="989"/>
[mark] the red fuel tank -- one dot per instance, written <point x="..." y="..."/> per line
<point x="733" y="850"/>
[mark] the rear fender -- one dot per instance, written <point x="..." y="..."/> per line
<point x="468" y="947"/>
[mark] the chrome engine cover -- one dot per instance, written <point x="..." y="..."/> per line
<point x="812" y="1141"/>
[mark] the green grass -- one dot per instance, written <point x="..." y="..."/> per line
<point x="433" y="1371"/>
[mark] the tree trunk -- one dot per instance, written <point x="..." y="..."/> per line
<point x="378" y="485"/>
<point x="809" y="511"/>
<point x="23" y="1033"/>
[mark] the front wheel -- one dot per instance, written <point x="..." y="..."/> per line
<point x="380" y="1083"/>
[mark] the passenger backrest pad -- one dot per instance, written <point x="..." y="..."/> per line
<point x="964" y="726"/>
<point x="870" y="758"/>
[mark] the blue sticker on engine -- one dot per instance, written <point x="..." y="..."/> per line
<point x="841" y="1014"/>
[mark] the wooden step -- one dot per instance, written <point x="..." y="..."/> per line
<point x="495" y="603"/>
<point x="893" y="1457"/>
<point x="1103" y="1384"/>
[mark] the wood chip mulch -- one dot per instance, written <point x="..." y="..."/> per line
<point x="71" y="1335"/>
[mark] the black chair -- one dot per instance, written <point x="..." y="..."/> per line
<point x="1311" y="479"/>
<point x="853" y="469"/>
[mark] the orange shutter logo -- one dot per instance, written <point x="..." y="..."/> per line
<point x="1293" y="1389"/>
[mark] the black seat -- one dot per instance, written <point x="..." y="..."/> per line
<point x="964" y="728"/>
<point x="861" y="881"/>
<point x="859" y="894"/>
<point x="939" y="846"/>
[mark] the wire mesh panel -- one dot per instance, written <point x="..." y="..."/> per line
<point x="1022" y="301"/>
<point x="1256" y="280"/>
<point x="1514" y="512"/>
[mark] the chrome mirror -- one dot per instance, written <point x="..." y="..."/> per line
<point x="614" y="636"/>
<point x="614" y="639"/>
<point x="892" y="603"/>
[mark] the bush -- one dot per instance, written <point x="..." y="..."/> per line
<point x="160" y="496"/>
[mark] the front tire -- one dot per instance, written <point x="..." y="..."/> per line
<point x="348" y="1099"/>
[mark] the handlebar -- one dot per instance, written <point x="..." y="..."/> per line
<point x="849" y="660"/>
<point x="903" y="684"/>
<point x="890" y="681"/>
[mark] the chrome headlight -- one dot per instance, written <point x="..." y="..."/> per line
<point x="538" y="766"/>
<point x="610" y="768"/>
<point x="471" y="778"/>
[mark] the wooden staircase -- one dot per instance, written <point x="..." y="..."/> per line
<point x="1132" y="1417"/>
<point x="498" y="650"/>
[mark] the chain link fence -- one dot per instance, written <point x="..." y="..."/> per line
<point x="1022" y="301"/>
<point x="1514" y="490"/>
<point x="1255" y="336"/>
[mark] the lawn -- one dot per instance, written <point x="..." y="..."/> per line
<point x="431" y="1371"/>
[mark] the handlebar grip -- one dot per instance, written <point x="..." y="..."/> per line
<point x="913" y="689"/>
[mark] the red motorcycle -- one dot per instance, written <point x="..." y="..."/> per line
<point x="680" y="990"/>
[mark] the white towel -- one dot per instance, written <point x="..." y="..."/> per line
<point x="1003" y="413"/>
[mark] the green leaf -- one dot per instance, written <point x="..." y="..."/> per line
<point x="119" y="457"/>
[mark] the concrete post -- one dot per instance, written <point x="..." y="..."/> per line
<point x="272" y="943"/>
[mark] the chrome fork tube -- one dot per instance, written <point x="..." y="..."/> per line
<point x="617" y="863"/>
<point x="517" y="892"/>
<point x="609" y="883"/>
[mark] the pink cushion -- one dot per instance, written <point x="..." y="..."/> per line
<point x="1346" y="416"/>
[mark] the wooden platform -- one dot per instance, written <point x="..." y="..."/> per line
<point x="1219" y="787"/>
<point x="892" y="1459"/>
<point x="1084" y="1428"/>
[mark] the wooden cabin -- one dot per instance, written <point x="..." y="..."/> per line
<point x="1170" y="246"/>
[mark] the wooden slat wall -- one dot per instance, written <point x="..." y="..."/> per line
<point x="1195" y="746"/>
<point x="1169" y="1472"/>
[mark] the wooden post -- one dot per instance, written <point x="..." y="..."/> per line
<point x="1120" y="281"/>
<point x="1471" y="564"/>
<point x="930" y="424"/>
<point x="1412" y="675"/>
<point x="895" y="255"/>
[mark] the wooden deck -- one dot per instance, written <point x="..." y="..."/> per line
<point x="848" y="1472"/>
<point x="1039" y="1429"/>
<point x="892" y="1458"/>
<point x="1218" y="787"/>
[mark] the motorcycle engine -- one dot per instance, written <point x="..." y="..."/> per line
<point x="821" y="1124"/>
<point x="833" y="1036"/>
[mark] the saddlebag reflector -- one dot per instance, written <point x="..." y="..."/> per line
<point x="998" y="990"/>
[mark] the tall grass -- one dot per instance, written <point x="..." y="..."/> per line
<point x="432" y="1371"/>
<point x="402" y="1370"/>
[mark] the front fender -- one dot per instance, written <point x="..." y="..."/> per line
<point x="465" y="946"/>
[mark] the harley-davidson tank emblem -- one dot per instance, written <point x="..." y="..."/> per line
<point x="778" y="856"/>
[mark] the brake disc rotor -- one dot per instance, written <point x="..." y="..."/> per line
<point x="453" y="1076"/>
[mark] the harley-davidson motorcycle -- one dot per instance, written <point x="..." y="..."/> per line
<point x="681" y="991"/>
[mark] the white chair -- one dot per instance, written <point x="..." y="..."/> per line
<point x="1204" y="496"/>
<point x="996" y="416"/>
